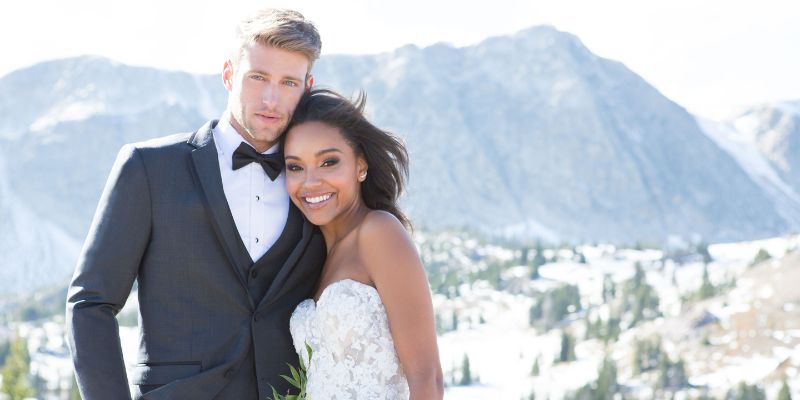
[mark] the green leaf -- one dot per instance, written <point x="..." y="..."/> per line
<point x="295" y="375"/>
<point x="292" y="381"/>
<point x="275" y="395"/>
<point x="310" y="352"/>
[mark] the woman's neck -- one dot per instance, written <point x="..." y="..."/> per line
<point x="341" y="226"/>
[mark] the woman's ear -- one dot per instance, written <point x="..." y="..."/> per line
<point x="362" y="167"/>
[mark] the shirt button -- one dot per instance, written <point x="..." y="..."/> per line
<point x="258" y="198"/>
<point x="256" y="240"/>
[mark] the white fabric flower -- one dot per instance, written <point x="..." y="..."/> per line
<point x="353" y="352"/>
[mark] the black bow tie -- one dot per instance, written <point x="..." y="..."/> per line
<point x="272" y="163"/>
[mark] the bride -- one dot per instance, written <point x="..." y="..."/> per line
<point x="370" y="324"/>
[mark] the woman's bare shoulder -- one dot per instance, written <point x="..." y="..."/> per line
<point x="382" y="240"/>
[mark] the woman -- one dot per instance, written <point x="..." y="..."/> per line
<point x="370" y="324"/>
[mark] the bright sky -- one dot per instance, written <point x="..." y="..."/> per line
<point x="711" y="56"/>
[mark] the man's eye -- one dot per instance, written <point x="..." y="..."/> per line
<point x="290" y="83"/>
<point x="329" y="162"/>
<point x="257" y="77"/>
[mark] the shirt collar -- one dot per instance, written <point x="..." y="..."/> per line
<point x="228" y="140"/>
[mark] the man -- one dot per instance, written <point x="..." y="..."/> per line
<point x="203" y="222"/>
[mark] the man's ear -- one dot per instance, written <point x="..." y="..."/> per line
<point x="309" y="82"/>
<point x="227" y="75"/>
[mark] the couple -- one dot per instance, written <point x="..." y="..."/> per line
<point x="240" y="262"/>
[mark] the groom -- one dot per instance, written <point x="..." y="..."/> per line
<point x="204" y="224"/>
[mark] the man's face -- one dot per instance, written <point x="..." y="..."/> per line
<point x="263" y="91"/>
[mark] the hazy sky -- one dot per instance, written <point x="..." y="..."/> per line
<point x="711" y="56"/>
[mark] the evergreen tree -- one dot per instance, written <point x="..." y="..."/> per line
<point x="567" y="347"/>
<point x="646" y="355"/>
<point x="638" y="355"/>
<point x="671" y="375"/>
<point x="638" y="275"/>
<point x="609" y="289"/>
<point x="15" y="371"/>
<point x="606" y="380"/>
<point x="604" y="388"/>
<point x="663" y="371"/>
<point x="784" y="393"/>
<point x="590" y="329"/>
<point x="535" y="370"/>
<point x="746" y="392"/>
<point x="612" y="329"/>
<point x="538" y="261"/>
<point x="560" y="302"/>
<point x="760" y="257"/>
<point x="439" y="325"/>
<point x="535" y="312"/>
<point x="39" y="385"/>
<point x="466" y="375"/>
<point x="454" y="324"/>
<point x="702" y="250"/>
<point x="706" y="288"/>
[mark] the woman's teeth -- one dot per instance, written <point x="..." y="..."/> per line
<point x="319" y="199"/>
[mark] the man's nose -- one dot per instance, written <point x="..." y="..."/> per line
<point x="269" y="96"/>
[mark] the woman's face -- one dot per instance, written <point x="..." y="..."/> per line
<point x="322" y="172"/>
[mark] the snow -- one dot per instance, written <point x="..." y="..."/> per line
<point x="530" y="228"/>
<point x="740" y="142"/>
<point x="68" y="111"/>
<point x="502" y="351"/>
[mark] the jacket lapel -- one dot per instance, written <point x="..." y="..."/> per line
<point x="206" y="165"/>
<point x="278" y="286"/>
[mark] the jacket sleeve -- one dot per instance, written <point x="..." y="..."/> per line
<point x="106" y="270"/>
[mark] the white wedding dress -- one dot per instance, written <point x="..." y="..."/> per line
<point x="353" y="354"/>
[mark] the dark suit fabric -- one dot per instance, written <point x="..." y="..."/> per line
<point x="214" y="324"/>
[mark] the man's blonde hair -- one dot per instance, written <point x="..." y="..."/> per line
<point x="279" y="28"/>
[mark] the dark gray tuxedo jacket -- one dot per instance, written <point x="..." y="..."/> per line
<point x="211" y="326"/>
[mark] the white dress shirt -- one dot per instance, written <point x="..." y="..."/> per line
<point x="260" y="206"/>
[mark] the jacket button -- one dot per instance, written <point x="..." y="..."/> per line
<point x="229" y="373"/>
<point x="254" y="274"/>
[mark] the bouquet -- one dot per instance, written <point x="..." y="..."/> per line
<point x="298" y="379"/>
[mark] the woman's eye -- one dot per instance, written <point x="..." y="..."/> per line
<point x="293" y="167"/>
<point x="329" y="162"/>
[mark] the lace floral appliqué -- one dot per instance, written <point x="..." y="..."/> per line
<point x="354" y="355"/>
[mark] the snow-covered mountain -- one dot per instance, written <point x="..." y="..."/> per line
<point x="533" y="134"/>
<point x="63" y="123"/>
<point x="765" y="141"/>
<point x="529" y="135"/>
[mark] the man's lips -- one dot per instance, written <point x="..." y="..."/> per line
<point x="268" y="117"/>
